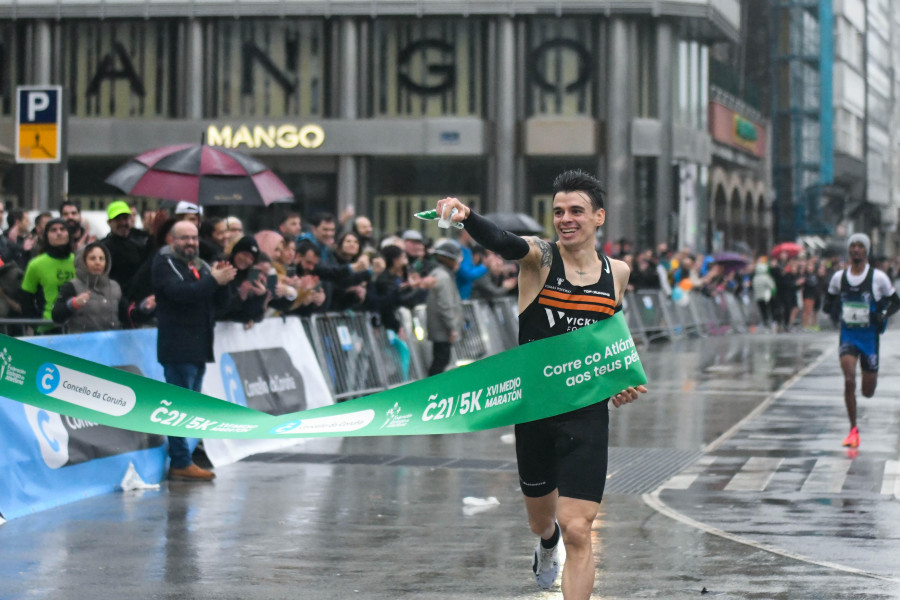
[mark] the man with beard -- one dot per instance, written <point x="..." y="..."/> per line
<point x="127" y="252"/>
<point x="48" y="271"/>
<point x="862" y="298"/>
<point x="188" y="292"/>
<point x="71" y="212"/>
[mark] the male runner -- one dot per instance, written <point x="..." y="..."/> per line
<point x="863" y="297"/>
<point x="562" y="460"/>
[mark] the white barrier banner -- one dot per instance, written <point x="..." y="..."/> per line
<point x="270" y="367"/>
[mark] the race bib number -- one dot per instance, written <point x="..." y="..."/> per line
<point x="855" y="314"/>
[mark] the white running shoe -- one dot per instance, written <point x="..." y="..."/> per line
<point x="546" y="565"/>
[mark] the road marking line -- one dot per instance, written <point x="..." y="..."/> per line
<point x="652" y="500"/>
<point x="686" y="478"/>
<point x="890" y="484"/>
<point x="755" y="475"/>
<point x="827" y="476"/>
<point x="714" y="445"/>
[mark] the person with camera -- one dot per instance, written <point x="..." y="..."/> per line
<point x="247" y="300"/>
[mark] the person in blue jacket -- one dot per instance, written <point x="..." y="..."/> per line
<point x="468" y="271"/>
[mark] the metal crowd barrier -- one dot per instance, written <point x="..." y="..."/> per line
<point x="343" y="344"/>
<point x="506" y="314"/>
<point x="23" y="327"/>
<point x="652" y="315"/>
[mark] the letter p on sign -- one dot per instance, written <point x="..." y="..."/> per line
<point x="38" y="124"/>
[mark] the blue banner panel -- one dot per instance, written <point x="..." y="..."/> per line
<point x="47" y="460"/>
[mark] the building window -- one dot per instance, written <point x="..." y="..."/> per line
<point x="647" y="79"/>
<point x="267" y="68"/>
<point x="645" y="201"/>
<point x="427" y="67"/>
<point x="121" y="68"/>
<point x="8" y="67"/>
<point x="402" y="186"/>
<point x="692" y="84"/>
<point x="879" y="109"/>
<point x="561" y="61"/>
<point x="849" y="43"/>
<point x="848" y="133"/>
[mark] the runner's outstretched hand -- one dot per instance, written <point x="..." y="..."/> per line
<point x="627" y="395"/>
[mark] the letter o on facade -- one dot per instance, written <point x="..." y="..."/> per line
<point x="311" y="136"/>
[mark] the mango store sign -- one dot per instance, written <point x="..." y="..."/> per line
<point x="286" y="136"/>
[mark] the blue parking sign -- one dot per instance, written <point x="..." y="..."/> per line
<point x="38" y="124"/>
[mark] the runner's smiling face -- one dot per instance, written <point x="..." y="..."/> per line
<point x="575" y="219"/>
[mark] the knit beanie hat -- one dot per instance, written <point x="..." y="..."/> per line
<point x="860" y="238"/>
<point x="246" y="244"/>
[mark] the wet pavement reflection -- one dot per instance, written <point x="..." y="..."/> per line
<point x="699" y="497"/>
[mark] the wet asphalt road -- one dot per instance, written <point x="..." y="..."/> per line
<point x="728" y="476"/>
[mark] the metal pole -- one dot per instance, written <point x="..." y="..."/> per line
<point x="348" y="173"/>
<point x="505" y="144"/>
<point x="620" y="205"/>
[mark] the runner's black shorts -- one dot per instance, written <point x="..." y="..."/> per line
<point x="568" y="452"/>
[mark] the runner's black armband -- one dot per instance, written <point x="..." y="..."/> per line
<point x="485" y="232"/>
<point x="893" y="305"/>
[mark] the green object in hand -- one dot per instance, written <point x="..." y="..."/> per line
<point x="432" y="215"/>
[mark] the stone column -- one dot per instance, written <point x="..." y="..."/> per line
<point x="620" y="217"/>
<point x="505" y="140"/>
<point x="666" y="209"/>
<point x="348" y="108"/>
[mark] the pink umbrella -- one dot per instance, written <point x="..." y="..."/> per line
<point x="207" y="175"/>
<point x="791" y="248"/>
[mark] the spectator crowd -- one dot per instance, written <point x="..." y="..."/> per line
<point x="787" y="287"/>
<point x="325" y="263"/>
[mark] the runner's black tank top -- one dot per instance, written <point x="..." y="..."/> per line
<point x="561" y="306"/>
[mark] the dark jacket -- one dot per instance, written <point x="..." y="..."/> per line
<point x="126" y="254"/>
<point x="389" y="294"/>
<point x="185" y="308"/>
<point x="242" y="311"/>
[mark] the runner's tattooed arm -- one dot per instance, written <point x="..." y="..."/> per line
<point x="544" y="247"/>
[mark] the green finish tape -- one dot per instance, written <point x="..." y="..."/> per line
<point x="541" y="379"/>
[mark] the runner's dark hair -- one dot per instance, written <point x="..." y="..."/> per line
<point x="577" y="180"/>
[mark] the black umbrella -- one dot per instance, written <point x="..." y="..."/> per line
<point x="516" y="222"/>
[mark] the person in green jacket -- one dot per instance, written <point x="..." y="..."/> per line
<point x="48" y="271"/>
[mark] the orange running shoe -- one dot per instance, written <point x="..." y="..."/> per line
<point x="852" y="439"/>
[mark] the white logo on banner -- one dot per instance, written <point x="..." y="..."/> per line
<point x="8" y="371"/>
<point x="394" y="418"/>
<point x="51" y="435"/>
<point x="85" y="390"/>
<point x="334" y="424"/>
